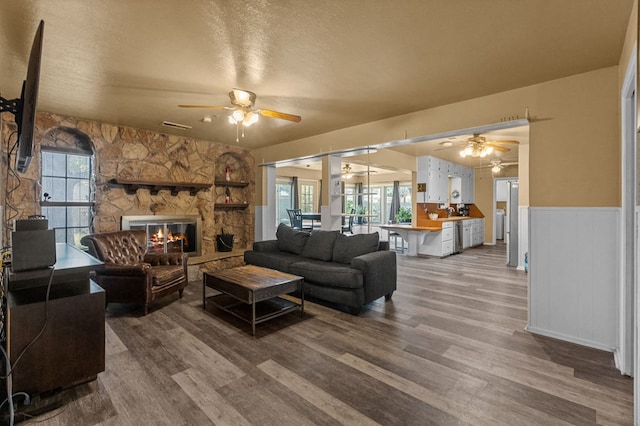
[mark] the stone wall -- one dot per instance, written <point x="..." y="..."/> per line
<point x="142" y="155"/>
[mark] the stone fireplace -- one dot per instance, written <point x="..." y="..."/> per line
<point x="169" y="234"/>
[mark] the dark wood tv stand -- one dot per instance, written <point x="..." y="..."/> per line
<point x="71" y="348"/>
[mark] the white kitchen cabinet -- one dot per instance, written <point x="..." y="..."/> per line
<point x="438" y="243"/>
<point x="436" y="172"/>
<point x="422" y="169"/>
<point x="456" y="170"/>
<point x="466" y="234"/>
<point x="501" y="190"/>
<point x="477" y="232"/>
<point x="434" y="163"/>
<point x="467" y="192"/>
<point x="437" y="186"/>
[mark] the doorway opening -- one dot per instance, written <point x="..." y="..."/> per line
<point x="506" y="217"/>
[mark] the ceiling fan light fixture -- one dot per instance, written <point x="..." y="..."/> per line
<point x="476" y="148"/>
<point x="242" y="98"/>
<point x="250" y="118"/>
<point x="467" y="151"/>
<point x="238" y="115"/>
<point x="347" y="172"/>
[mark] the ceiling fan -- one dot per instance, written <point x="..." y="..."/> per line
<point x="348" y="172"/>
<point x="479" y="146"/>
<point x="242" y="113"/>
<point x="497" y="165"/>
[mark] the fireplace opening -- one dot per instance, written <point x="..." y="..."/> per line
<point x="168" y="234"/>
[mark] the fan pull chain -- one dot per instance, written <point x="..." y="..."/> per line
<point x="238" y="132"/>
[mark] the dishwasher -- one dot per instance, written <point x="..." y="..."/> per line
<point x="457" y="237"/>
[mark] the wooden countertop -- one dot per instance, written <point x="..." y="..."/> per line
<point x="411" y="228"/>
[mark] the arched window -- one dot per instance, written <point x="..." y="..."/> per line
<point x="68" y="183"/>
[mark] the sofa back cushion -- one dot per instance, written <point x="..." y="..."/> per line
<point x="320" y="245"/>
<point x="348" y="247"/>
<point x="290" y="240"/>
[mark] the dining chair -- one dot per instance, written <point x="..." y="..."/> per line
<point x="348" y="227"/>
<point x="295" y="218"/>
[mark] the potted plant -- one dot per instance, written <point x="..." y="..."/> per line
<point x="403" y="215"/>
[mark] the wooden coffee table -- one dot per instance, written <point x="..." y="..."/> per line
<point x="252" y="293"/>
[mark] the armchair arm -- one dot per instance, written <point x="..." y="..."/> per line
<point x="266" y="246"/>
<point x="124" y="270"/>
<point x="379" y="273"/>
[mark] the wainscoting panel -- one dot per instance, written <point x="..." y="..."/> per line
<point x="574" y="274"/>
<point x="523" y="234"/>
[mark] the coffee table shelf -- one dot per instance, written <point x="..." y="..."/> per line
<point x="265" y="310"/>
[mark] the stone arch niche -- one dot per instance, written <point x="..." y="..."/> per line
<point x="233" y="199"/>
<point x="68" y="139"/>
<point x="25" y="195"/>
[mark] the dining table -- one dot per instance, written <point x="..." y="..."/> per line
<point x="313" y="217"/>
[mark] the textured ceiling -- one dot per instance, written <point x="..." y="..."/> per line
<point x="336" y="63"/>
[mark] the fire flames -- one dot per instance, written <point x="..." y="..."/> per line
<point x="158" y="239"/>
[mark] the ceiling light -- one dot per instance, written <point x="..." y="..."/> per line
<point x="496" y="169"/>
<point x="242" y="98"/>
<point x="238" y="115"/>
<point x="250" y="118"/>
<point x="347" y="172"/>
<point x="476" y="148"/>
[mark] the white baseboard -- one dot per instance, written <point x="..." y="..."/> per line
<point x="571" y="339"/>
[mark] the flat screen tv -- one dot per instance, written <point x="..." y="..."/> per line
<point x="24" y="109"/>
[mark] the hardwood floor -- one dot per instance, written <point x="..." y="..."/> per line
<point x="450" y="348"/>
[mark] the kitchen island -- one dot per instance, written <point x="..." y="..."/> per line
<point x="431" y="237"/>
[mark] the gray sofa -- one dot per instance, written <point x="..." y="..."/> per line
<point x="345" y="270"/>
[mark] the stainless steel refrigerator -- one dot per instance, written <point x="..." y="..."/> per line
<point x="511" y="224"/>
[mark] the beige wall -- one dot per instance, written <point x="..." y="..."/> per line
<point x="574" y="136"/>
<point x="574" y="152"/>
<point x="629" y="43"/>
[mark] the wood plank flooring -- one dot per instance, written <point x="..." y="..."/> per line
<point x="450" y="348"/>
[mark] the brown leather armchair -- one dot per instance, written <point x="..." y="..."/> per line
<point x="130" y="275"/>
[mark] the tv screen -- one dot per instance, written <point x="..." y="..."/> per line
<point x="26" y="112"/>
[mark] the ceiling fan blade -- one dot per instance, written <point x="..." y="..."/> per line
<point x="505" y="142"/>
<point x="280" y="115"/>
<point x="204" y="106"/>
<point x="500" y="148"/>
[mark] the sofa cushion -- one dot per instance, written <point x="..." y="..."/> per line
<point x="320" y="245"/>
<point x="281" y="261"/>
<point x="348" y="247"/>
<point x="290" y="240"/>
<point x="165" y="274"/>
<point x="330" y="274"/>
